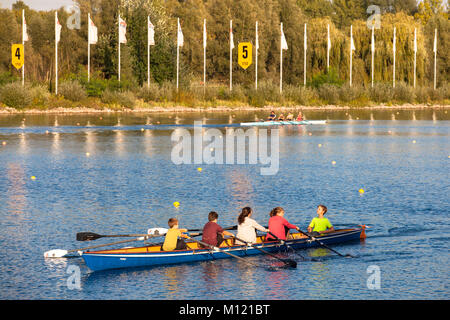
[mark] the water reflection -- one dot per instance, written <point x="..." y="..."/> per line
<point x="23" y="143"/>
<point x="240" y="188"/>
<point x="278" y="285"/>
<point x="56" y="148"/>
<point x="16" y="192"/>
<point x="174" y="278"/>
<point x="118" y="142"/>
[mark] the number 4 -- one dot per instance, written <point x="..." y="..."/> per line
<point x="18" y="53"/>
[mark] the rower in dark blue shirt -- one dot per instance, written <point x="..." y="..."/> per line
<point x="272" y="116"/>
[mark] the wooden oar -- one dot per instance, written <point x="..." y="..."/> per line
<point x="60" y="253"/>
<point x="223" y="251"/>
<point x="289" y="262"/>
<point x="325" y="246"/>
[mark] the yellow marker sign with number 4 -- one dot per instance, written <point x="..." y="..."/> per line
<point x="245" y="54"/>
<point x="17" y="56"/>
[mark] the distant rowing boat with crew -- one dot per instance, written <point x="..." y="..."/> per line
<point x="152" y="255"/>
<point x="278" y="123"/>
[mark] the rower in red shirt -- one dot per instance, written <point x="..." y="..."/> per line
<point x="212" y="232"/>
<point x="278" y="225"/>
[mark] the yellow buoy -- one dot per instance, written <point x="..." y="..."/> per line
<point x="361" y="191"/>
<point x="333" y="162"/>
<point x="320" y="145"/>
<point x="414" y="141"/>
<point x="87" y="154"/>
<point x="33" y="178"/>
<point x="4" y="143"/>
<point x="199" y="169"/>
<point x="176" y="204"/>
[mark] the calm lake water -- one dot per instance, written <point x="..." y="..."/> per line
<point x="102" y="173"/>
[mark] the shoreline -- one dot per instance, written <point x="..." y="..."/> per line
<point x="177" y="109"/>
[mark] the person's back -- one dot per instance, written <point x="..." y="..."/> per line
<point x="210" y="231"/>
<point x="172" y="241"/>
<point x="247" y="227"/>
<point x="278" y="225"/>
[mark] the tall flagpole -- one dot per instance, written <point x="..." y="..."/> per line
<point x="256" y="57"/>
<point x="351" y="52"/>
<point x="435" y="53"/>
<point x="89" y="47"/>
<point x="231" y="55"/>
<point x="23" y="44"/>
<point x="415" y="54"/>
<point x="119" y="45"/>
<point x="281" y="59"/>
<point x="56" y="54"/>
<point x="394" y="49"/>
<point x="148" y="52"/>
<point x="304" y="58"/>
<point x="178" y="49"/>
<point x="328" y="47"/>
<point x="373" y="52"/>
<point x="204" y="56"/>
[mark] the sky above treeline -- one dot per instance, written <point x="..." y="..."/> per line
<point x="38" y="4"/>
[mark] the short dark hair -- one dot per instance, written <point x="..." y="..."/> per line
<point x="172" y="222"/>
<point x="323" y="207"/>
<point x="212" y="216"/>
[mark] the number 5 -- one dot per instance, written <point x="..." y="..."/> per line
<point x="245" y="52"/>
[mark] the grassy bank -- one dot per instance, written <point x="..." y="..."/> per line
<point x="102" y="95"/>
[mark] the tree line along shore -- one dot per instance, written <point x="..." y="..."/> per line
<point x="324" y="86"/>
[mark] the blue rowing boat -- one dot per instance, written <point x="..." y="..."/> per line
<point x="278" y="123"/>
<point x="153" y="256"/>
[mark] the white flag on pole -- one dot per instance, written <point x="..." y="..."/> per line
<point x="435" y="41"/>
<point x="284" y="45"/>
<point x="352" y="44"/>
<point x="58" y="28"/>
<point x="231" y="36"/>
<point x="122" y="31"/>
<point x="204" y="33"/>
<point x="151" y="33"/>
<point x="93" y="37"/>
<point x="24" y="29"/>
<point x="180" y="36"/>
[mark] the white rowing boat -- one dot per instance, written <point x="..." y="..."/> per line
<point x="278" y="123"/>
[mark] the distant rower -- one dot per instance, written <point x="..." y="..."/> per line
<point x="272" y="116"/>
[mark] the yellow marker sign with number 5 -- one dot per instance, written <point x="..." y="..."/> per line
<point x="17" y="55"/>
<point x="245" y="54"/>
